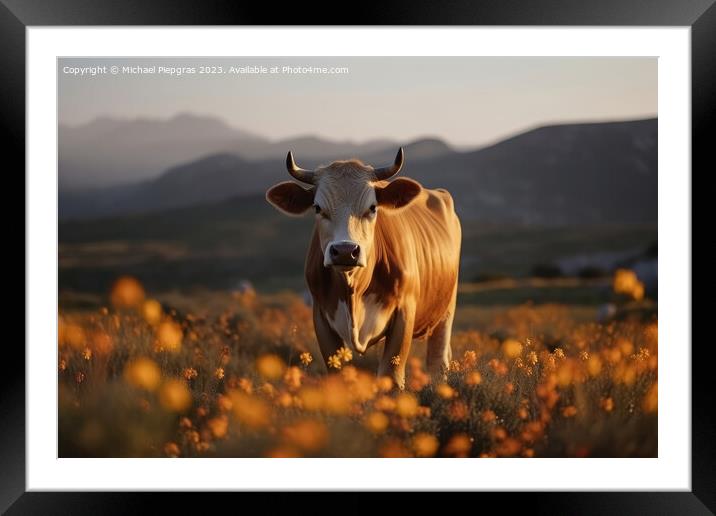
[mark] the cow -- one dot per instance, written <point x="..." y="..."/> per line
<point x="382" y="263"/>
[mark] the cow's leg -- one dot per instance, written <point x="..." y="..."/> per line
<point x="397" y="347"/>
<point x="439" y="353"/>
<point x="328" y="341"/>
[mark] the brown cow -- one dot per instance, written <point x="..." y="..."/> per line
<point x="382" y="263"/>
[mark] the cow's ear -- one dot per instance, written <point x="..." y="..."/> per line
<point x="398" y="193"/>
<point x="290" y="198"/>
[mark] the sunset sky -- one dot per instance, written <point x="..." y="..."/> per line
<point x="464" y="100"/>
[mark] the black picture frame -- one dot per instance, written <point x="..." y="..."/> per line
<point x="17" y="15"/>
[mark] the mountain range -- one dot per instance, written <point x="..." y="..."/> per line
<point x="558" y="174"/>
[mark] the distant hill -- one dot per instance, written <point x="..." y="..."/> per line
<point x="591" y="173"/>
<point x="561" y="174"/>
<point x="109" y="152"/>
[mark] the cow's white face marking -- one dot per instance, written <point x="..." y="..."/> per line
<point x="346" y="210"/>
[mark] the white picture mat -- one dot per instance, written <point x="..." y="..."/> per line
<point x="670" y="471"/>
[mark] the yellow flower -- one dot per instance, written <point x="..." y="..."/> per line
<point x="171" y="450"/>
<point x="218" y="426"/>
<point x="250" y="410"/>
<point x="376" y="422"/>
<point x="445" y="391"/>
<point x="384" y="383"/>
<point x="473" y="378"/>
<point x="569" y="411"/>
<point x="532" y="358"/>
<point x="219" y="373"/>
<point x="406" y="405"/>
<point x="469" y="359"/>
<point x="270" y="366"/>
<point x="127" y="292"/>
<point x="459" y="445"/>
<point x="308" y="435"/>
<point x="626" y="282"/>
<point x="293" y="378"/>
<point x="594" y="365"/>
<point x="559" y="353"/>
<point x="311" y="398"/>
<point x="306" y="358"/>
<point x="143" y="373"/>
<point x="175" y="396"/>
<point x="334" y="362"/>
<point x="190" y="373"/>
<point x="74" y="335"/>
<point x="512" y="348"/>
<point x="425" y="445"/>
<point x="395" y="361"/>
<point x="607" y="404"/>
<point x="152" y="311"/>
<point x="169" y="335"/>
<point x="651" y="400"/>
<point x="345" y="354"/>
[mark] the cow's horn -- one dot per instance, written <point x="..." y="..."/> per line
<point x="388" y="172"/>
<point x="305" y="176"/>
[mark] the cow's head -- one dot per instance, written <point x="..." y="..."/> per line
<point x="346" y="197"/>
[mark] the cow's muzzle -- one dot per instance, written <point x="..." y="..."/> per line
<point x="344" y="254"/>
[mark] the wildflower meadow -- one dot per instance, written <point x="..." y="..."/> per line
<point x="241" y="376"/>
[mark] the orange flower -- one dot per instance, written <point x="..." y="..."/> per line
<point x="425" y="445"/>
<point x="607" y="404"/>
<point x="250" y="410"/>
<point x="308" y="435"/>
<point x="218" y="426"/>
<point x="394" y="449"/>
<point x="488" y="416"/>
<point x="311" y="398"/>
<point x="270" y="366"/>
<point x="473" y="378"/>
<point x="459" y="445"/>
<point x="175" y="396"/>
<point x="190" y="373"/>
<point x="334" y="362"/>
<point x="376" y="422"/>
<point x="651" y="400"/>
<point x="569" y="411"/>
<point x="127" y="292"/>
<point x="292" y="378"/>
<point x="384" y="383"/>
<point x="406" y="405"/>
<point x="152" y="311"/>
<point x="171" y="450"/>
<point x="512" y="348"/>
<point x="143" y="373"/>
<point x="306" y="358"/>
<point x="458" y="411"/>
<point x="344" y="354"/>
<point x="169" y="336"/>
<point x="445" y="391"/>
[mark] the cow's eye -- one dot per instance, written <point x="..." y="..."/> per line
<point x="317" y="208"/>
<point x="371" y="211"/>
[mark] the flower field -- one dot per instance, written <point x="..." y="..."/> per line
<point x="242" y="377"/>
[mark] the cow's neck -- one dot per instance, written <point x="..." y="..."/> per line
<point x="350" y="311"/>
<point x="354" y="283"/>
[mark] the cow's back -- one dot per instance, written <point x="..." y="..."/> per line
<point x="421" y="243"/>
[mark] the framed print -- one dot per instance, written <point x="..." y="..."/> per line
<point x="440" y="256"/>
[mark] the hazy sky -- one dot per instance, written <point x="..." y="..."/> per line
<point x="464" y="100"/>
